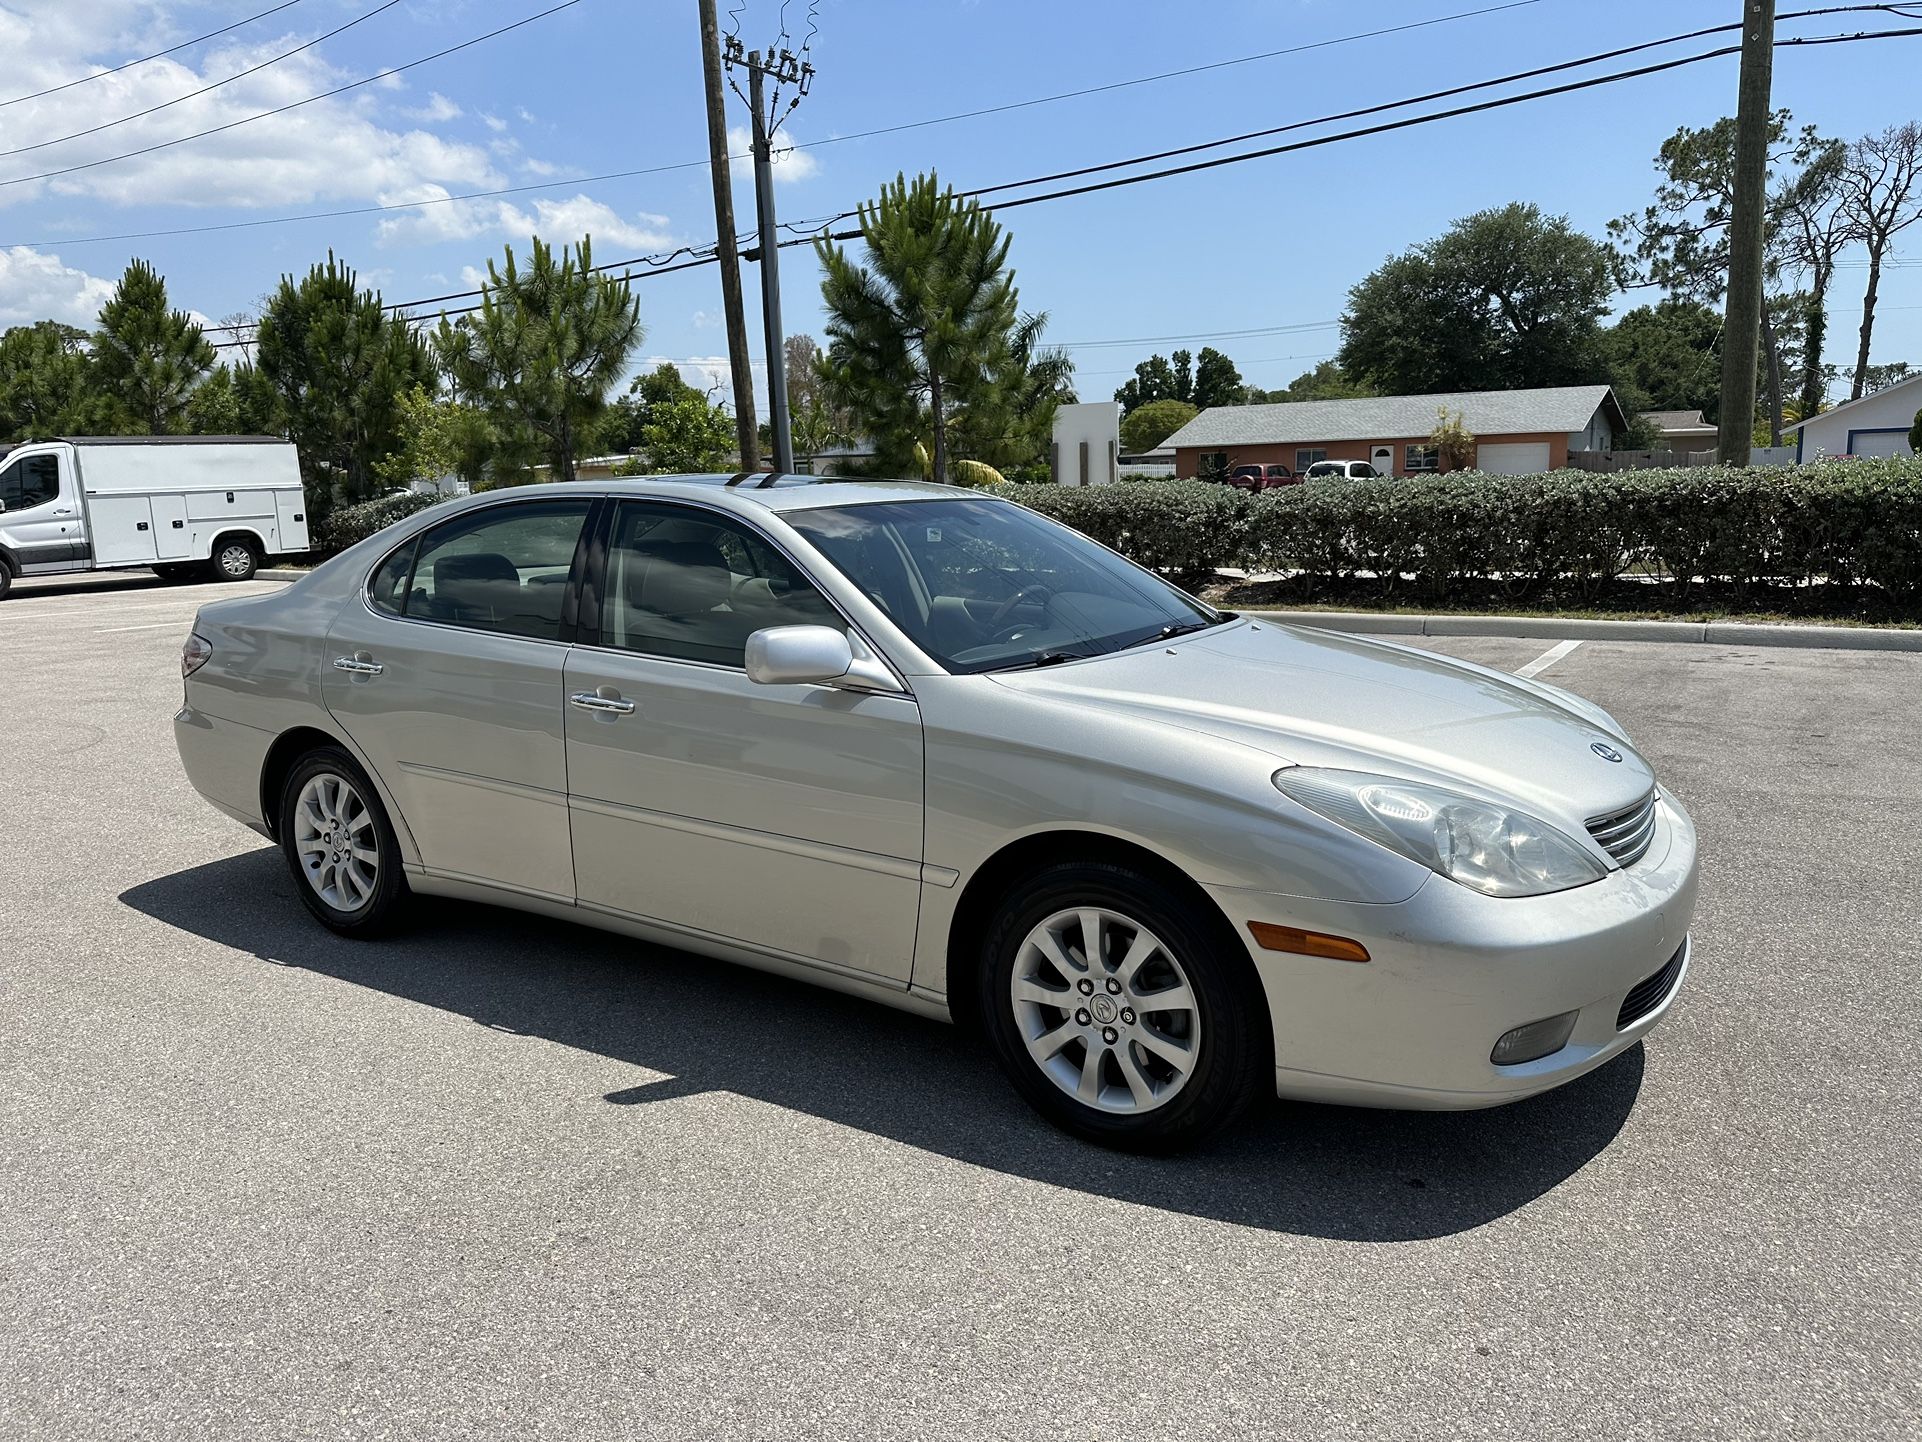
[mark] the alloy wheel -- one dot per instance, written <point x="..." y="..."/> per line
<point x="235" y="560"/>
<point x="336" y="841"/>
<point x="1105" y="1010"/>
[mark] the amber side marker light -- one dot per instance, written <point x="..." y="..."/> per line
<point x="1306" y="943"/>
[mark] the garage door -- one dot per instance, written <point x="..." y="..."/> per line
<point x="1517" y="458"/>
<point x="1879" y="443"/>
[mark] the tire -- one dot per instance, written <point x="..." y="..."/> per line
<point x="234" y="559"/>
<point x="326" y="799"/>
<point x="1143" y="1099"/>
<point x="6" y="580"/>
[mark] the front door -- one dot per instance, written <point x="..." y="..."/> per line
<point x="786" y="818"/>
<point x="448" y="676"/>
<point x="41" y="522"/>
<point x="1382" y="458"/>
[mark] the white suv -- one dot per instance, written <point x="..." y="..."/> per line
<point x="1341" y="470"/>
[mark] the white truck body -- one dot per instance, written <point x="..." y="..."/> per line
<point x="168" y="502"/>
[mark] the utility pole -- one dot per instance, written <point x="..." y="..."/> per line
<point x="1741" y="327"/>
<point x="740" y="367"/>
<point x="786" y="69"/>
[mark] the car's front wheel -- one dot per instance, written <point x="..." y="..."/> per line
<point x="339" y="844"/>
<point x="1113" y="1006"/>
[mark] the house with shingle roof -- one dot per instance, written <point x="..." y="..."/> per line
<point x="1516" y="432"/>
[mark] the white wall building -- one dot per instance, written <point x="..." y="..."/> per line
<point x="1087" y="443"/>
<point x="1876" y="425"/>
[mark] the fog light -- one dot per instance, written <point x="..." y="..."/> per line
<point x="1536" y="1040"/>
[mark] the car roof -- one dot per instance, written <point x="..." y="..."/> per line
<point x="775" y="491"/>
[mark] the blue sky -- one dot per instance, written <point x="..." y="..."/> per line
<point x="614" y="85"/>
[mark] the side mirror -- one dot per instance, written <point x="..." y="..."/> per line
<point x="813" y="656"/>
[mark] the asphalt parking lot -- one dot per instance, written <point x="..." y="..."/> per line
<point x="505" y="1178"/>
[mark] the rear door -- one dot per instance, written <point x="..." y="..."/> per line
<point x="787" y="818"/>
<point x="448" y="674"/>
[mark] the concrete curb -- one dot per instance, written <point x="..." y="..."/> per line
<point x="1726" y="633"/>
<point x="276" y="573"/>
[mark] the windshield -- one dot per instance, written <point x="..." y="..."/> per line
<point x="984" y="585"/>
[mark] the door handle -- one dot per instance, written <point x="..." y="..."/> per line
<point x="358" y="667"/>
<point x="589" y="701"/>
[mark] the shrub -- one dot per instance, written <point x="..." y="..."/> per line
<point x="1167" y="525"/>
<point x="350" y="525"/>
<point x="1847" y="521"/>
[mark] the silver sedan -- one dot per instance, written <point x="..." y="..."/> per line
<point x="928" y="747"/>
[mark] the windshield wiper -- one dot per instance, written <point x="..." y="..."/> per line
<point x="1039" y="658"/>
<point x="1183" y="628"/>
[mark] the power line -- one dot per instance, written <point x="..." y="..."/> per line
<point x="205" y="89"/>
<point x="807" y="145"/>
<point x="1414" y="120"/>
<point x="1270" y="151"/>
<point x="157" y="55"/>
<point x="296" y="104"/>
<point x="1266" y="330"/>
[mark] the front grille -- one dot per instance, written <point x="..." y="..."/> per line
<point x="1650" y="992"/>
<point x="1625" y="835"/>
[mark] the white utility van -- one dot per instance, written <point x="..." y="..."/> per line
<point x="183" y="505"/>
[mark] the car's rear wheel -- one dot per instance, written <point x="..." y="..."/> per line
<point x="6" y="579"/>
<point x="339" y="844"/>
<point x="234" y="559"/>
<point x="1112" y="1005"/>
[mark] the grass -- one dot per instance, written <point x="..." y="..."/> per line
<point x="1619" y="601"/>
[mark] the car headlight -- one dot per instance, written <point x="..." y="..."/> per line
<point x="1490" y="848"/>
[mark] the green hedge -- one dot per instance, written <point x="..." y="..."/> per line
<point x="348" y="525"/>
<point x="1855" y="522"/>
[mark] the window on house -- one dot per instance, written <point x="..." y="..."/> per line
<point x="1306" y="458"/>
<point x="1422" y="458"/>
<point x="1213" y="465"/>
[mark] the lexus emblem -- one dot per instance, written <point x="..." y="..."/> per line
<point x="1605" y="751"/>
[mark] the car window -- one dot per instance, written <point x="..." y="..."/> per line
<point x="1364" y="470"/>
<point x="693" y="585"/>
<point x="503" y="568"/>
<point x="30" y="481"/>
<point x="1001" y="586"/>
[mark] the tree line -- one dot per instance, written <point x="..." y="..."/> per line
<point x="930" y="359"/>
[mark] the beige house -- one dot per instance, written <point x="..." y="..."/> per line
<point x="1516" y="432"/>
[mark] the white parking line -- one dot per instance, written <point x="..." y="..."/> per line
<point x="150" y="626"/>
<point x="1548" y="658"/>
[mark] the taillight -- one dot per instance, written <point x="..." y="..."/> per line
<point x="195" y="652"/>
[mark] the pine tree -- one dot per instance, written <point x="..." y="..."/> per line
<point x="147" y="359"/>
<point x="337" y="364"/>
<point x="546" y="347"/>
<point x="923" y="328"/>
<point x="45" y="388"/>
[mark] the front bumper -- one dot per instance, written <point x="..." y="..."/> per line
<point x="1451" y="970"/>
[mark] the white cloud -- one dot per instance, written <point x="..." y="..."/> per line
<point x="524" y="113"/>
<point x="556" y="221"/>
<point x="709" y="373"/>
<point x="494" y="122"/>
<point x="37" y="286"/>
<point x="338" y="149"/>
<point x="788" y="163"/>
<point x="705" y="319"/>
<point x="437" y="109"/>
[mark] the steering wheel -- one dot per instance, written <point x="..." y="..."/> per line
<point x="1006" y="609"/>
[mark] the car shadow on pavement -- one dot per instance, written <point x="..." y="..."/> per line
<point x="1334" y="1172"/>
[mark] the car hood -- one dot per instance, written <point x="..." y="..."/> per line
<point x="1319" y="698"/>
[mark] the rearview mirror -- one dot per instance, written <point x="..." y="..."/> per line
<point x="813" y="656"/>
